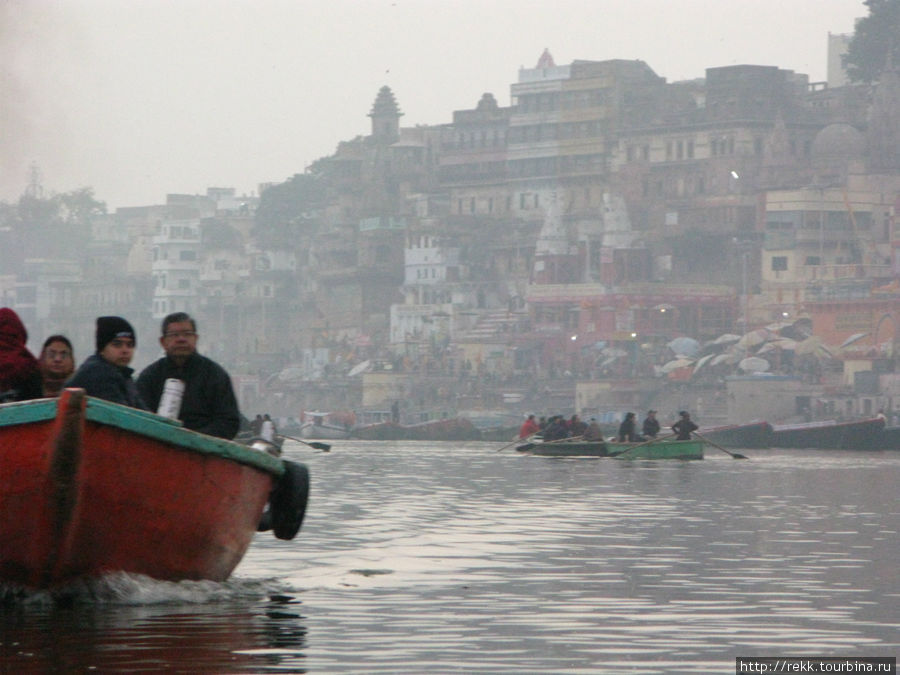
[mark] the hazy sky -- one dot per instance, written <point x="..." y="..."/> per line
<point x="140" y="98"/>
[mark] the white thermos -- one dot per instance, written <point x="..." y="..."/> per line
<point x="170" y="401"/>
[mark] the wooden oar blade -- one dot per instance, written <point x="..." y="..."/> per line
<point x="324" y="447"/>
<point x="734" y="455"/>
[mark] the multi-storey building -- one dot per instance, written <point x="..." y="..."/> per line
<point x="176" y="267"/>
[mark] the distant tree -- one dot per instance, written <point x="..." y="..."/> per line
<point x="80" y="206"/>
<point x="288" y="209"/>
<point x="58" y="226"/>
<point x="876" y="38"/>
<point x="218" y="234"/>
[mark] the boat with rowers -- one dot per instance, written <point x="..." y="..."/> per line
<point x="655" y="449"/>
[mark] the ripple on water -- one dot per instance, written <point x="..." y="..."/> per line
<point x="428" y="557"/>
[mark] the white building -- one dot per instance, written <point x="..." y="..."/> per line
<point x="176" y="267"/>
<point x="430" y="269"/>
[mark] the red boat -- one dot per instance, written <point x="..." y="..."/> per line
<point x="866" y="434"/>
<point x="89" y="487"/>
<point x="749" y="435"/>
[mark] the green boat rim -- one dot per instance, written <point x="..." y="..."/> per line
<point x="146" y="424"/>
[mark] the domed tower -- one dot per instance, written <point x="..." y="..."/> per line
<point x="385" y="116"/>
<point x="834" y="148"/>
<point x="883" y="134"/>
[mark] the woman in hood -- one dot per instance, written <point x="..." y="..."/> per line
<point x="20" y="376"/>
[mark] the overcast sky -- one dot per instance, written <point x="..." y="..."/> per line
<point x="140" y="98"/>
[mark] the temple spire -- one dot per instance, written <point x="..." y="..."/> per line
<point x="546" y="60"/>
<point x="385" y="116"/>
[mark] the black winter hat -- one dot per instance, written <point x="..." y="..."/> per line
<point x="111" y="327"/>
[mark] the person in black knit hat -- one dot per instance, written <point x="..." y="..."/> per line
<point x="105" y="374"/>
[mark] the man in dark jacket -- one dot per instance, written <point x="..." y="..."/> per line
<point x="684" y="426"/>
<point x="208" y="404"/>
<point x="105" y="374"/>
<point x="651" y="425"/>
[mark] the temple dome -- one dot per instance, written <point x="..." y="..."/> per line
<point x="839" y="141"/>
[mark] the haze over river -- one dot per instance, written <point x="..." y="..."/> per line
<point x="438" y="557"/>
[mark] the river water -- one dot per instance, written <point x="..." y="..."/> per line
<point x="456" y="558"/>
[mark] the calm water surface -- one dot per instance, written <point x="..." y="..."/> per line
<point x="427" y="557"/>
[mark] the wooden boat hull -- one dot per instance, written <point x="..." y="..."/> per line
<point x="663" y="449"/>
<point x="456" y="429"/>
<point x="751" y="435"/>
<point x="89" y="487"/>
<point x="857" y="435"/>
<point x="323" y="431"/>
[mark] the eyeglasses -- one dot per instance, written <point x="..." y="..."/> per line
<point x="180" y="334"/>
<point x="53" y="354"/>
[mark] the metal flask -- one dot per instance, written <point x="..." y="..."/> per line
<point x="170" y="401"/>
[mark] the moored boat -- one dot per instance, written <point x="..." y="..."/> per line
<point x="750" y="435"/>
<point x="866" y="434"/>
<point x="660" y="449"/>
<point x="319" y="425"/>
<point x="89" y="487"/>
<point x="452" y="429"/>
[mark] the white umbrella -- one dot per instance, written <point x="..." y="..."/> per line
<point x="754" y="364"/>
<point x="853" y="338"/>
<point x="703" y="360"/>
<point x="727" y="357"/>
<point x="754" y="338"/>
<point x="685" y="345"/>
<point x="726" y="339"/>
<point x="361" y="367"/>
<point x="675" y="364"/>
<point x="290" y="373"/>
<point x="812" y="345"/>
<point x="782" y="343"/>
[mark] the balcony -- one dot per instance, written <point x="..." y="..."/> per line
<point x="808" y="273"/>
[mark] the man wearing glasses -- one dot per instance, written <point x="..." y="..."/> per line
<point x="208" y="404"/>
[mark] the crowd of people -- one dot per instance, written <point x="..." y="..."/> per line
<point x="208" y="403"/>
<point x="557" y="427"/>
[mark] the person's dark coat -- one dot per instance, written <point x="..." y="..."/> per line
<point x="651" y="427"/>
<point x="102" y="379"/>
<point x="683" y="428"/>
<point x="626" y="429"/>
<point x="208" y="404"/>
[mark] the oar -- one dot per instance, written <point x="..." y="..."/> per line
<point x="324" y="447"/>
<point x="652" y="440"/>
<point x="734" y="455"/>
<point x="518" y="440"/>
<point x="529" y="446"/>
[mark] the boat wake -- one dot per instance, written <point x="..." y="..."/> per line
<point x="123" y="589"/>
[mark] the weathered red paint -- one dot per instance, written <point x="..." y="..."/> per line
<point x="80" y="498"/>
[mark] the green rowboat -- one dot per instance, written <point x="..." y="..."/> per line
<point x="661" y="449"/>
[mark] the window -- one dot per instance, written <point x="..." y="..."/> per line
<point x="779" y="263"/>
<point x="187" y="255"/>
<point x="184" y="284"/>
<point x="813" y="260"/>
